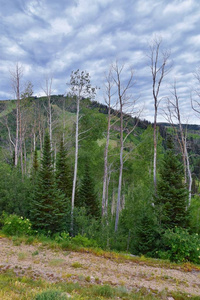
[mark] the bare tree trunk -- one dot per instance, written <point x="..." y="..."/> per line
<point x="25" y="162"/>
<point x="76" y="164"/>
<point x="158" y="71"/>
<point x="15" y="78"/>
<point x="17" y="134"/>
<point x="173" y="112"/>
<point x="155" y="147"/>
<point x="105" y="177"/>
<point x="123" y="104"/>
<point x="48" y="91"/>
<point x="121" y="164"/>
<point x="189" y="176"/>
<point x="80" y="88"/>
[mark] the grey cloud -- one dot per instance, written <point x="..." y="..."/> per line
<point x="57" y="37"/>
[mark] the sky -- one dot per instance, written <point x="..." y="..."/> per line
<point x="53" y="38"/>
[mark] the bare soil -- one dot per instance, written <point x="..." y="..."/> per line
<point x="37" y="261"/>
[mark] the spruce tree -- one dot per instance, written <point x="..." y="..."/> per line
<point x="63" y="173"/>
<point x="48" y="209"/>
<point x="87" y="195"/>
<point x="171" y="198"/>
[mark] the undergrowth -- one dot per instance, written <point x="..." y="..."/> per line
<point x="16" y="288"/>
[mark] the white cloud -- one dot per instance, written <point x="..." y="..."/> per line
<point x="61" y="36"/>
<point x="179" y="7"/>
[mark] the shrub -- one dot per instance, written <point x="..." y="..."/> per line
<point x="15" y="225"/>
<point x="82" y="240"/>
<point x="103" y="291"/>
<point x="180" y="246"/>
<point x="62" y="237"/>
<point x="51" y="295"/>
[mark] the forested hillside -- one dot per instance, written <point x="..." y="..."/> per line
<point x="72" y="165"/>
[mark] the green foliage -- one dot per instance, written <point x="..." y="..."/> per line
<point x="84" y="224"/>
<point x="15" y="191"/>
<point x="104" y="291"/>
<point x="180" y="246"/>
<point x="63" y="173"/>
<point x="51" y="295"/>
<point x="194" y="211"/>
<point x="172" y="195"/>
<point x="82" y="240"/>
<point x="49" y="207"/>
<point x="87" y="195"/>
<point x="93" y="124"/>
<point x="15" y="225"/>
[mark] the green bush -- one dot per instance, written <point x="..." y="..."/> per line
<point x="62" y="237"/>
<point x="15" y="225"/>
<point x="82" y="240"/>
<point x="180" y="246"/>
<point x="51" y="295"/>
<point x="103" y="291"/>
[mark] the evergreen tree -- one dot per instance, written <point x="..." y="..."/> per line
<point x="63" y="173"/>
<point x="171" y="198"/>
<point x="35" y="161"/>
<point x="87" y="195"/>
<point x="48" y="209"/>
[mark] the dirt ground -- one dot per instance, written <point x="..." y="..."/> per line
<point x="36" y="261"/>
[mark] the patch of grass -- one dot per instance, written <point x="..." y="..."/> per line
<point x="30" y="240"/>
<point x="104" y="291"/>
<point x="87" y="278"/>
<point x="76" y="265"/>
<point x="35" y="253"/>
<point x="16" y="240"/>
<point x="14" y="288"/>
<point x="22" y="255"/>
<point x="56" y="262"/>
<point x="51" y="295"/>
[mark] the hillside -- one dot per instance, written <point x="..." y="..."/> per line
<point x="117" y="208"/>
<point x="63" y="269"/>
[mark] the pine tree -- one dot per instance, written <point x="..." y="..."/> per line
<point x="48" y="209"/>
<point x="63" y="173"/>
<point x="171" y="198"/>
<point x="87" y="195"/>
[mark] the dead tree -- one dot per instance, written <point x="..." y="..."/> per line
<point x="80" y="87"/>
<point x="16" y="76"/>
<point x="108" y="98"/>
<point x="48" y="92"/>
<point x="159" y="65"/>
<point x="173" y="116"/>
<point x="125" y="104"/>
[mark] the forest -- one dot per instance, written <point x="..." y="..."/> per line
<point x="71" y="166"/>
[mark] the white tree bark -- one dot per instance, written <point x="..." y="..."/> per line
<point x="80" y="88"/>
<point x="75" y="163"/>
<point x="173" y="115"/>
<point x="158" y="66"/>
<point x="124" y="104"/>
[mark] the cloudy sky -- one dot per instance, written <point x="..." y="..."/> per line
<point x="53" y="38"/>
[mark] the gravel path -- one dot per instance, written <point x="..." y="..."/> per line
<point x="36" y="261"/>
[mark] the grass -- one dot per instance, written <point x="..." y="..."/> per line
<point x="77" y="265"/>
<point x="56" y="262"/>
<point x="16" y="288"/>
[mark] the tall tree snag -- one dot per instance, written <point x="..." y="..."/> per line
<point x="173" y="116"/>
<point x="16" y="76"/>
<point x="124" y="103"/>
<point x="159" y="69"/>
<point x="80" y="88"/>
